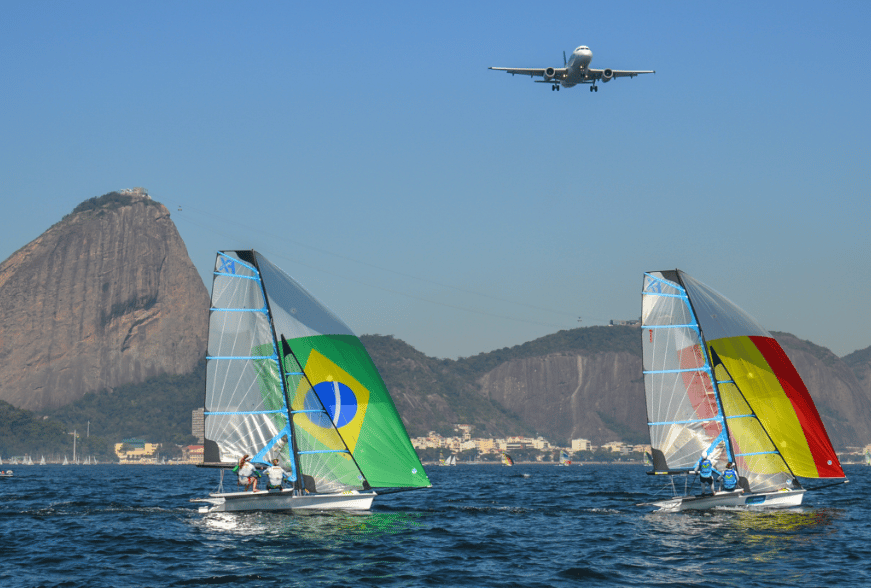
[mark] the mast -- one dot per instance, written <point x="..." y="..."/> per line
<point x="281" y="372"/>
<point x="285" y="349"/>
<point x="710" y="365"/>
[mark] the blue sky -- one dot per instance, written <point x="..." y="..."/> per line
<point x="367" y="150"/>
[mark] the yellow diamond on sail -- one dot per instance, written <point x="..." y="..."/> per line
<point x="344" y="398"/>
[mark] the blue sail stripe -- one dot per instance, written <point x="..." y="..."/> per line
<point x="237" y="275"/>
<point x="245" y="412"/>
<point x="741" y="416"/>
<point x="263" y="310"/>
<point x="758" y="453"/>
<point x="272" y="357"/>
<point x="703" y="368"/>
<point x="324" y="451"/>
<point x="671" y="326"/>
<point x="684" y="422"/>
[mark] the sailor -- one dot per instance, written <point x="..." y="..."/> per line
<point x="248" y="474"/>
<point x="275" y="476"/>
<point x="706" y="474"/>
<point x="729" y="478"/>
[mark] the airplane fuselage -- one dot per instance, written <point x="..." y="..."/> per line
<point x="577" y="66"/>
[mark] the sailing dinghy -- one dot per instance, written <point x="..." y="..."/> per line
<point x="286" y="379"/>
<point x="719" y="385"/>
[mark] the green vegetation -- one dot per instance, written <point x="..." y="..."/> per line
<point x="23" y="432"/>
<point x="159" y="409"/>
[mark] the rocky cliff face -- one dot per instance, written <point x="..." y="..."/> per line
<point x="597" y="396"/>
<point x="106" y="297"/>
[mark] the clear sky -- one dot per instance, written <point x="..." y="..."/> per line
<point x="367" y="150"/>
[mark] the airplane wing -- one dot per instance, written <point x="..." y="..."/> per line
<point x="615" y="73"/>
<point x="558" y="72"/>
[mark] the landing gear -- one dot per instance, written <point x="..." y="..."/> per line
<point x="554" y="87"/>
<point x="594" y="88"/>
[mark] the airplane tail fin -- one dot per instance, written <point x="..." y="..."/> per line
<point x="565" y="63"/>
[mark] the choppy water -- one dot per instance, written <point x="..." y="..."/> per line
<point x="530" y="526"/>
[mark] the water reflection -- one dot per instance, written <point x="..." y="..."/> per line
<point x="316" y="527"/>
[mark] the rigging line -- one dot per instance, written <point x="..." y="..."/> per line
<point x="319" y="269"/>
<point x="372" y="265"/>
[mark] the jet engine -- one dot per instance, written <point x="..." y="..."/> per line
<point x="549" y="73"/>
<point x="607" y="75"/>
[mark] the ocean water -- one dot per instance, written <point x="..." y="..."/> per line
<point x="529" y="525"/>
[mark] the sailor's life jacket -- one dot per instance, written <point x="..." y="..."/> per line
<point x="247" y="470"/>
<point x="730" y="479"/>
<point x="276" y="476"/>
<point x="706" y="469"/>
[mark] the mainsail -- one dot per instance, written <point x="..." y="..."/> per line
<point x="287" y="379"/>
<point x="717" y="383"/>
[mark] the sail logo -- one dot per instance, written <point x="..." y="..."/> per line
<point x="344" y="398"/>
<point x="228" y="266"/>
<point x="339" y="401"/>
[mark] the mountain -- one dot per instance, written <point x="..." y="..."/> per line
<point x="580" y="383"/>
<point x="106" y="297"/>
<point x="860" y="363"/>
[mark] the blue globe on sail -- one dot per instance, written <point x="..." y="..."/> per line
<point x="339" y="401"/>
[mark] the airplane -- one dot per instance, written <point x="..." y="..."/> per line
<point x="576" y="71"/>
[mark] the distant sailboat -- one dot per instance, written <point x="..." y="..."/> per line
<point x="564" y="459"/>
<point x="42" y="460"/>
<point x="28" y="460"/>
<point x="719" y="386"/>
<point x="506" y="459"/>
<point x="868" y="457"/>
<point x="286" y="379"/>
<point x="452" y="460"/>
<point x="65" y="461"/>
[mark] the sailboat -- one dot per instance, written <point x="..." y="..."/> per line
<point x="286" y="379"/>
<point x="719" y="385"/>
<point x="868" y="457"/>
<point x="451" y="461"/>
<point x="65" y="461"/>
<point x="564" y="459"/>
<point x="506" y="459"/>
<point x="42" y="460"/>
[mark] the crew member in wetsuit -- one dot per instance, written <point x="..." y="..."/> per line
<point x="706" y="474"/>
<point x="248" y="474"/>
<point x="275" y="476"/>
<point x="729" y="478"/>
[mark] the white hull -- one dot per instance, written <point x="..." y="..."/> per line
<point x="285" y="500"/>
<point x="782" y="499"/>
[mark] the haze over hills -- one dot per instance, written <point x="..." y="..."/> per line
<point x="108" y="301"/>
